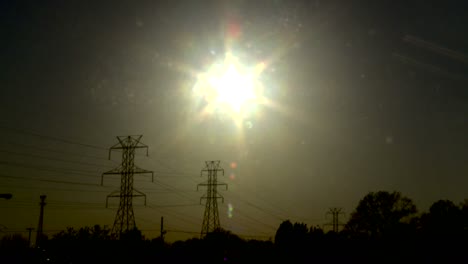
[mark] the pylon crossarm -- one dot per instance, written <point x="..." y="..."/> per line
<point x="202" y="184"/>
<point x="222" y="184"/>
<point x="203" y="197"/>
<point x="112" y="194"/>
<point x="135" y="190"/>
<point x="140" y="194"/>
<point x="137" y="170"/>
<point x="111" y="148"/>
<point x="136" y="138"/>
<point x="119" y="147"/>
<point x="141" y="146"/>
<point x="116" y="171"/>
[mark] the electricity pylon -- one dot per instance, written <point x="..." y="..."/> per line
<point x="211" y="216"/>
<point x="125" y="218"/>
<point x="335" y="212"/>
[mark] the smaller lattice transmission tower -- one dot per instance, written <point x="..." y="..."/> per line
<point x="335" y="212"/>
<point x="211" y="215"/>
<point x="125" y="218"/>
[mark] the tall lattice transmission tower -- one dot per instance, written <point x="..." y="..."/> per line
<point x="125" y="218"/>
<point x="335" y="212"/>
<point x="211" y="216"/>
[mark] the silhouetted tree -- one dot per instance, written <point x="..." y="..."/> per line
<point x="292" y="241"/>
<point x="15" y="249"/>
<point x="444" y="219"/>
<point x="133" y="235"/>
<point x="442" y="233"/>
<point x="464" y="212"/>
<point x="223" y="245"/>
<point x="381" y="213"/>
<point x="78" y="246"/>
<point x="284" y="233"/>
<point x="14" y="241"/>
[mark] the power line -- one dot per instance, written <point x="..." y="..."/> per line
<point x="180" y="216"/>
<point x="167" y="186"/>
<point x="273" y="207"/>
<point x="71" y="142"/>
<point x="85" y="173"/>
<point x="56" y="189"/>
<point x="52" y="158"/>
<point x="173" y="205"/>
<point x="63" y="182"/>
<point x="256" y="220"/>
<point x="54" y="150"/>
<point x="174" y="190"/>
<point x="47" y="180"/>
<point x="277" y="216"/>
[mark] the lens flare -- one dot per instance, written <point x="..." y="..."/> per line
<point x="233" y="165"/>
<point x="230" y="210"/>
<point x="230" y="87"/>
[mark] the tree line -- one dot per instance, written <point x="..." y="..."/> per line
<point x="385" y="227"/>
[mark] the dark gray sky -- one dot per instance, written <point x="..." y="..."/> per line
<point x="370" y="95"/>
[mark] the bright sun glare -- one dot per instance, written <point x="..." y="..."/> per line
<point x="229" y="86"/>
<point x="233" y="88"/>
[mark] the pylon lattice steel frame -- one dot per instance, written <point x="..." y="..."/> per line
<point x="125" y="218"/>
<point x="211" y="215"/>
<point x="335" y="212"/>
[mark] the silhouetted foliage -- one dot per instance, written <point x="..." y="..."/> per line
<point x="383" y="229"/>
<point x="381" y="214"/>
<point x="464" y="212"/>
<point x="13" y="241"/>
<point x="14" y="249"/>
<point x="296" y="242"/>
<point x="284" y="234"/>
<point x="443" y="219"/>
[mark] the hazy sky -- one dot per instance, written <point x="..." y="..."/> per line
<point x="365" y="96"/>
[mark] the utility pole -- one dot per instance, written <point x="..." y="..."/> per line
<point x="211" y="216"/>
<point x="41" y="221"/>
<point x="6" y="196"/>
<point x="335" y="212"/>
<point x="125" y="218"/>
<point x="163" y="232"/>
<point x="30" y="229"/>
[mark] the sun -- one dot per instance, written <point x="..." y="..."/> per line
<point x="233" y="88"/>
<point x="230" y="87"/>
